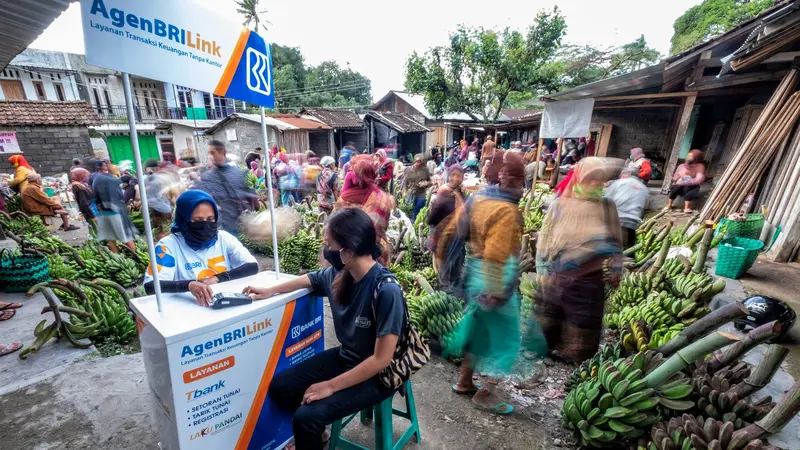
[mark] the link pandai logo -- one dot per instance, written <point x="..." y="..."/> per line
<point x="258" y="78"/>
<point x="202" y="433"/>
<point x="217" y="427"/>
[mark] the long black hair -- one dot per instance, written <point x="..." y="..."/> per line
<point x="353" y="230"/>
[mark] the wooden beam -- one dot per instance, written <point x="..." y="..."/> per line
<point x="680" y="134"/>
<point x="640" y="105"/>
<point x="713" y="82"/>
<point x="645" y="96"/>
<point x="699" y="68"/>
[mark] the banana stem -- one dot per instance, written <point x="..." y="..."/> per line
<point x="764" y="372"/>
<point x="662" y="255"/>
<point x="702" y="252"/>
<point x="703" y="326"/>
<point x="695" y="237"/>
<point x="757" y="336"/>
<point x="425" y="285"/>
<point x="632" y="250"/>
<point x="776" y="419"/>
<point x="688" y="355"/>
<point x="645" y="227"/>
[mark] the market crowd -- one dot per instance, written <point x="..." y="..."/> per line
<point x="476" y="228"/>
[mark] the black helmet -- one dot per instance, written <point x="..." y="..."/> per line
<point x="761" y="310"/>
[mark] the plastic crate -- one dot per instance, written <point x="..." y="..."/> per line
<point x="736" y="255"/>
<point x="749" y="228"/>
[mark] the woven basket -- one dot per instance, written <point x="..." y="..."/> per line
<point x="736" y="255"/>
<point x="749" y="228"/>
<point x="20" y="273"/>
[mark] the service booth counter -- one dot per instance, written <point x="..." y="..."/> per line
<point x="209" y="370"/>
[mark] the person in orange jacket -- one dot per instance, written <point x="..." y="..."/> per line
<point x="640" y="165"/>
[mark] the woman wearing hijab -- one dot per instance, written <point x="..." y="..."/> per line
<point x="640" y="165"/>
<point x="83" y="193"/>
<point x="489" y="335"/>
<point x="21" y="171"/>
<point x="687" y="180"/>
<point x="113" y="223"/>
<point x="361" y="191"/>
<point x="287" y="179"/>
<point x="196" y="254"/>
<point x="36" y="202"/>
<point x="444" y="207"/>
<point x="385" y="170"/>
<point x="327" y="184"/>
<point x="463" y="151"/>
<point x="579" y="237"/>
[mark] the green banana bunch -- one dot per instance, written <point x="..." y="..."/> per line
<point x="60" y="269"/>
<point x="688" y="432"/>
<point x="619" y="403"/>
<point x="14" y="204"/>
<point x="633" y="289"/>
<point x="635" y="337"/>
<point x="405" y="277"/>
<point x="588" y="369"/>
<point x="529" y="284"/>
<point x="699" y="287"/>
<point x="673" y="267"/>
<point x="417" y="258"/>
<point x="661" y="336"/>
<point x="428" y="273"/>
<point x="660" y="310"/>
<point x="93" y="268"/>
<point x="440" y="313"/>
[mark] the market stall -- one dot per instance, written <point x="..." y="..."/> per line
<point x="209" y="369"/>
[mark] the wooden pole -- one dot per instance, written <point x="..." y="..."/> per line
<point x="786" y="190"/>
<point x="554" y="176"/>
<point x="677" y="143"/>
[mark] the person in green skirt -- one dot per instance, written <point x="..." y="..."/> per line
<point x="489" y="335"/>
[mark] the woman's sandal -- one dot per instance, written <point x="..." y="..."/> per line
<point x="500" y="409"/>
<point x="9" y="305"/>
<point x="470" y="392"/>
<point x="7" y="314"/>
<point x="7" y="349"/>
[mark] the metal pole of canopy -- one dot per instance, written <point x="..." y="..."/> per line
<point x="268" y="176"/>
<point x="137" y="158"/>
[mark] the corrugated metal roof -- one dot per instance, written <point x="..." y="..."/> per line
<point x="22" y="21"/>
<point x="629" y="83"/>
<point x="399" y="122"/>
<point x="299" y="122"/>
<point x="335" y="118"/>
<point x="33" y="113"/>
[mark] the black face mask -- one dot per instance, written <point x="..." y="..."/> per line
<point x="201" y="232"/>
<point x="334" y="257"/>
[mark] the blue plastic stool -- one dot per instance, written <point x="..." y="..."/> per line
<point x="382" y="413"/>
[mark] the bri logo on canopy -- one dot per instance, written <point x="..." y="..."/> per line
<point x="154" y="26"/>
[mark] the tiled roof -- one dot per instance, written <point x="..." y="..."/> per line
<point x="400" y="122"/>
<point x="335" y="118"/>
<point x="31" y="112"/>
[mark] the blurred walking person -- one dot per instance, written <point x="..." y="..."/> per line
<point x="83" y="194"/>
<point x="361" y="191"/>
<point x="327" y="184"/>
<point x="579" y="236"/>
<point x="629" y="195"/>
<point x="489" y="335"/>
<point x="113" y="223"/>
<point x="416" y="183"/>
<point x="447" y="205"/>
<point x="227" y="184"/>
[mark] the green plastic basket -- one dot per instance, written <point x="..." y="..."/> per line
<point x="736" y="255"/>
<point x="749" y="228"/>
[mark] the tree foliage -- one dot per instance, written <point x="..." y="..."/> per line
<point x="577" y="65"/>
<point x="478" y="71"/>
<point x="249" y="10"/>
<point x="325" y="85"/>
<point x="712" y="18"/>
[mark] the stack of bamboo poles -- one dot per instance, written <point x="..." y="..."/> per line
<point x="767" y="46"/>
<point x="783" y="187"/>
<point x="757" y="151"/>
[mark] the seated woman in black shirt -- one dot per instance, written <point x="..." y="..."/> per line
<point x="342" y="380"/>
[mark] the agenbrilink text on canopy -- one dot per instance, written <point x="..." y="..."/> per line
<point x="154" y="26"/>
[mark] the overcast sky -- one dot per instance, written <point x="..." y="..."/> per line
<point x="375" y="38"/>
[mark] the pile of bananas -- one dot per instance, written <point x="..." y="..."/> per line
<point x="420" y="223"/>
<point x="633" y="289"/>
<point x="299" y="253"/>
<point x="405" y="277"/>
<point x="138" y="221"/>
<point x="718" y="401"/>
<point x="14" y="204"/>
<point x="19" y="223"/>
<point x="588" y="369"/>
<point x="620" y="402"/>
<point x="106" y="303"/>
<point x="436" y="314"/>
<point x="689" y="432"/>
<point x="428" y="273"/>
<point x="60" y="269"/>
<point x="649" y="240"/>
<point x="659" y="310"/>
<point x="700" y="287"/>
<point x="60" y="328"/>
<point x="93" y="268"/>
